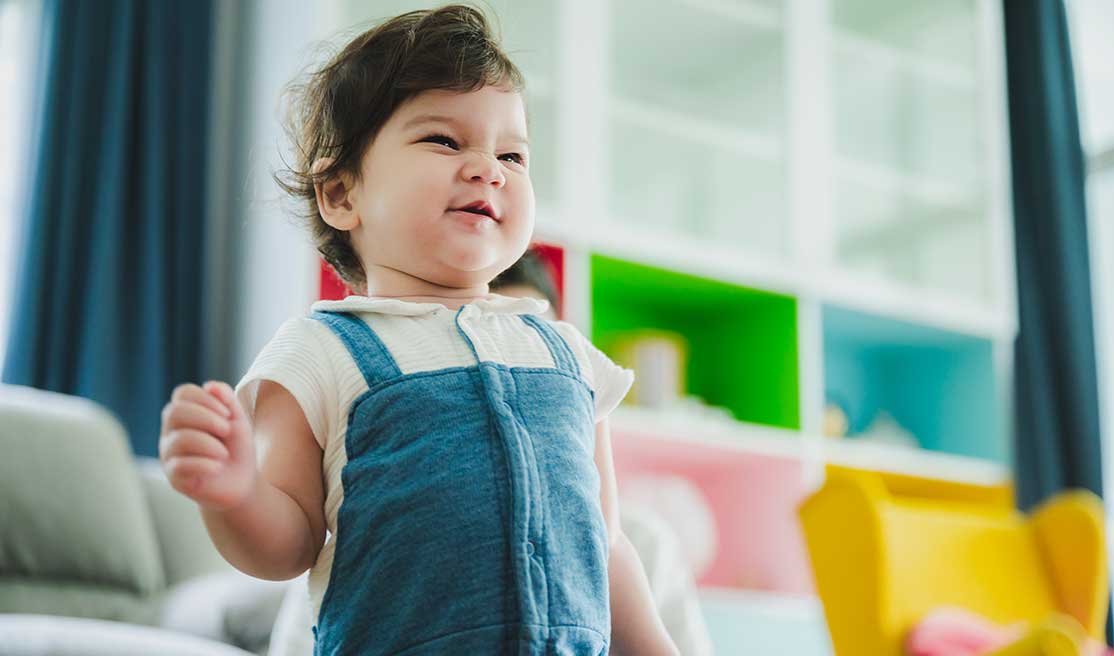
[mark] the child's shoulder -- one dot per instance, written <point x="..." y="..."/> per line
<point x="300" y="343"/>
<point x="569" y="331"/>
<point x="306" y="329"/>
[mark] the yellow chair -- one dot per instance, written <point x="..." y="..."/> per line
<point x="888" y="549"/>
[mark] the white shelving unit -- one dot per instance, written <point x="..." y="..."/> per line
<point x="848" y="154"/>
<point x="813" y="450"/>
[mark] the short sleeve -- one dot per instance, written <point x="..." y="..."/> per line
<point x="297" y="359"/>
<point x="610" y="382"/>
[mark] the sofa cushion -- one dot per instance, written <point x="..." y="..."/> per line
<point x="187" y="549"/>
<point x="76" y="599"/>
<point x="228" y="606"/>
<point x="71" y="504"/>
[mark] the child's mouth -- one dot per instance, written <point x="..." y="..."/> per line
<point x="474" y="219"/>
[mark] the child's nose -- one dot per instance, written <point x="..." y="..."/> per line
<point x="485" y="168"/>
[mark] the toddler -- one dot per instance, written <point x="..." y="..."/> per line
<point x="437" y="456"/>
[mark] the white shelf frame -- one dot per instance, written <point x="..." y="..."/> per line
<point x="751" y="14"/>
<point x="811" y="449"/>
<point x="684" y="127"/>
<point x="890" y="57"/>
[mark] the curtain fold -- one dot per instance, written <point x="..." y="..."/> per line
<point x="108" y="297"/>
<point x="1058" y="443"/>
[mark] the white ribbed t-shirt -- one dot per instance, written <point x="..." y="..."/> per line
<point x="311" y="362"/>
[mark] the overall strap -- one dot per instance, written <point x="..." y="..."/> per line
<point x="558" y="347"/>
<point x="368" y="351"/>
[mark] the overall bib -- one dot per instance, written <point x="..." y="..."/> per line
<point x="470" y="521"/>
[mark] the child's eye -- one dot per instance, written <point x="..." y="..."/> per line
<point x="442" y="139"/>
<point x="517" y="158"/>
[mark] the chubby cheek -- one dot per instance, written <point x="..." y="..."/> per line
<point x="424" y="196"/>
<point x="518" y="203"/>
<point x="519" y="230"/>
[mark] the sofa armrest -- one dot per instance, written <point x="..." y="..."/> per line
<point x="1069" y="531"/>
<point x="70" y="502"/>
<point x="843" y="532"/>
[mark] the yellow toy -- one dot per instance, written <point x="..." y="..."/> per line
<point x="888" y="549"/>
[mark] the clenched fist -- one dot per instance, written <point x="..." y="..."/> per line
<point x="206" y="447"/>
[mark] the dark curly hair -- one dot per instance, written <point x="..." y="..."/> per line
<point x="337" y="111"/>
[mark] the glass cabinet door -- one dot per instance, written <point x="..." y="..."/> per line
<point x="695" y="121"/>
<point x="529" y="30"/>
<point x="910" y="185"/>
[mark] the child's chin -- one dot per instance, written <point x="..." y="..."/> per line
<point x="473" y="268"/>
<point x="466" y="274"/>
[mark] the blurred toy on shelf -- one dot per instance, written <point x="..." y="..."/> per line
<point x="658" y="358"/>
<point x="733" y="509"/>
<point x="835" y="422"/>
<point x="683" y="506"/>
<point x="691" y="406"/>
<point x="885" y="430"/>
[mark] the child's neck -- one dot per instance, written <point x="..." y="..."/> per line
<point x="389" y="283"/>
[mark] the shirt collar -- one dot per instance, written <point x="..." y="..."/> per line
<point x="493" y="304"/>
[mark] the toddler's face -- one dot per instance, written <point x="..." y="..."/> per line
<point x="439" y="152"/>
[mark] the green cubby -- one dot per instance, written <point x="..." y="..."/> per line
<point x="743" y="352"/>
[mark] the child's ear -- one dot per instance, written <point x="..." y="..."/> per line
<point x="334" y="200"/>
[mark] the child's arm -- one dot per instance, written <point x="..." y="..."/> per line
<point x="267" y="521"/>
<point x="636" y="627"/>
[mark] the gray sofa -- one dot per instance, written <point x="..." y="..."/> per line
<point x="99" y="555"/>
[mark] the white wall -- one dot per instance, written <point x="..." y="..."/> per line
<point x="18" y="19"/>
<point x="277" y="277"/>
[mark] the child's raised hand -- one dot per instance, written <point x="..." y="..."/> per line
<point x="206" y="446"/>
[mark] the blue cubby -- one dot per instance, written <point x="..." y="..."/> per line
<point x="941" y="386"/>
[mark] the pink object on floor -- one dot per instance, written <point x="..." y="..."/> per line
<point x="956" y="632"/>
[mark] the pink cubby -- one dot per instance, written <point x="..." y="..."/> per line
<point x="753" y="498"/>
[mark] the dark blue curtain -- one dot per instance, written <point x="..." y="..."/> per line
<point x="1058" y="442"/>
<point x="108" y="297"/>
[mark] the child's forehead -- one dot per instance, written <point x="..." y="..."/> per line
<point x="488" y="107"/>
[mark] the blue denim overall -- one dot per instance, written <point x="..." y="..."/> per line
<point x="470" y="522"/>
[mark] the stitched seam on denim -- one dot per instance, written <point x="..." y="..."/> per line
<point x="536" y="467"/>
<point x="355" y="332"/>
<point x="574" y="364"/>
<point x="579" y="379"/>
<point x="543" y="548"/>
<point x="558" y="357"/>
<point x="380" y="386"/>
<point x="525" y="442"/>
<point x="330" y="586"/>
<point x="557" y="345"/>
<point x="520" y="576"/>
